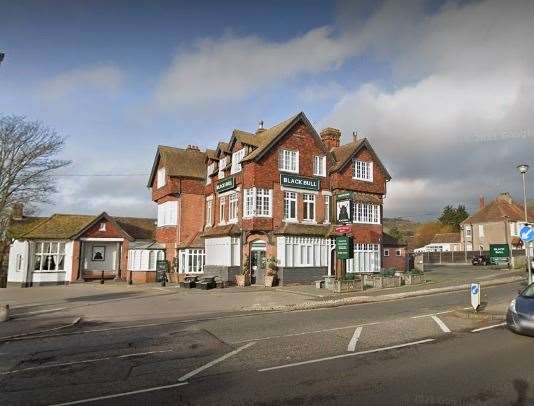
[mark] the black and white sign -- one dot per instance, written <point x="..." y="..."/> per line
<point x="344" y="211"/>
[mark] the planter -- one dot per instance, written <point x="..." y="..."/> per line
<point x="341" y="286"/>
<point x="382" y="282"/>
<point x="270" y="281"/>
<point x="242" y="280"/>
<point x="414" y="279"/>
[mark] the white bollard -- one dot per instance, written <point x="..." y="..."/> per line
<point x="4" y="312"/>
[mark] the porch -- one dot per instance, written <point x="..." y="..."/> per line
<point x="100" y="258"/>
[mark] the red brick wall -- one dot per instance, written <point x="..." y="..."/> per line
<point x="110" y="232"/>
<point x="343" y="179"/>
<point x="394" y="261"/>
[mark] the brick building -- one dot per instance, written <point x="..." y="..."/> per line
<point x="269" y="194"/>
<point x="394" y="253"/>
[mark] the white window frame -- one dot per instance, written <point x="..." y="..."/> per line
<point x="248" y="203"/>
<point x="102" y="227"/>
<point x="209" y="172"/>
<point x="222" y="164"/>
<point x="222" y="207"/>
<point x="136" y="256"/>
<point x="366" y="213"/>
<point x="386" y="252"/>
<point x="288" y="161"/>
<point x="366" y="259"/>
<point x="48" y="252"/>
<point x="290" y="198"/>
<point x="233" y="207"/>
<point x="363" y="170"/>
<point x="398" y="252"/>
<point x="209" y="213"/>
<point x="168" y="214"/>
<point x="481" y="231"/>
<point x="319" y="165"/>
<point x="237" y="157"/>
<point x="308" y="199"/>
<point x="192" y="261"/>
<point x="161" y="178"/>
<point x="257" y="202"/>
<point x="327" y="208"/>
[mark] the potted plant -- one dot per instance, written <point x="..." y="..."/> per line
<point x="243" y="279"/>
<point x="271" y="275"/>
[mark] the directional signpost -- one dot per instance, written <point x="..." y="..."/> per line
<point x="475" y="295"/>
<point x="527" y="236"/>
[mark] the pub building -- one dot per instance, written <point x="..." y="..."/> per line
<point x="275" y="194"/>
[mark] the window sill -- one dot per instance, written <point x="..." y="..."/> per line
<point x="290" y="221"/>
<point x="363" y="180"/>
<point x="288" y="171"/>
<point x="309" y="222"/>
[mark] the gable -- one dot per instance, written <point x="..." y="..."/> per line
<point x="110" y="230"/>
<point x="345" y="155"/>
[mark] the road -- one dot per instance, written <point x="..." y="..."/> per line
<point x="411" y="351"/>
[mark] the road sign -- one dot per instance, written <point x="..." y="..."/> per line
<point x="345" y="229"/>
<point x="475" y="295"/>
<point x="526" y="233"/>
<point x="499" y="253"/>
<point x="344" y="247"/>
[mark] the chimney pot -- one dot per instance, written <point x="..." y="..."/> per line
<point x="17" y="211"/>
<point x="482" y="202"/>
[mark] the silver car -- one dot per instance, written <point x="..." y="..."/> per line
<point x="520" y="315"/>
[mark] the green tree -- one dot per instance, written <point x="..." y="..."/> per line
<point x="452" y="217"/>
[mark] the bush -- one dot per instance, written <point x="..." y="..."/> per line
<point x="349" y="276"/>
<point x="388" y="272"/>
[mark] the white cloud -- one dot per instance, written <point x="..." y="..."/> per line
<point x="104" y="78"/>
<point x="321" y="92"/>
<point x="470" y="69"/>
<point x="232" y="68"/>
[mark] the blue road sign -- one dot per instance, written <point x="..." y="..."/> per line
<point x="527" y="233"/>
<point x="474" y="289"/>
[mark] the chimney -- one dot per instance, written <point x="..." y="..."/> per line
<point x="17" y="211"/>
<point x="331" y="137"/>
<point x="193" y="147"/>
<point x="481" y="202"/>
<point x="260" y="127"/>
<point x="505" y="197"/>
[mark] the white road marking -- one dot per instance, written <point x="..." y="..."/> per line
<point x="431" y="314"/>
<point x="38" y="334"/>
<point x="313" y="361"/>
<point x="306" y="332"/>
<point x="86" y="361"/>
<point x="117" y="395"/>
<point x="214" y="362"/>
<point x="441" y="325"/>
<point x="354" y="340"/>
<point x="488" y="327"/>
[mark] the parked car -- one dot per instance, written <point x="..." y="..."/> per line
<point x="520" y="315"/>
<point x="480" y="260"/>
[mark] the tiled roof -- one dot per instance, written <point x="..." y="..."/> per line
<point x="194" y="241"/>
<point x="59" y="226"/>
<point x="138" y="228"/>
<point x="245" y="137"/>
<point x="211" y="154"/>
<point x="389" y="240"/>
<point x="446" y="238"/>
<point x="499" y="209"/>
<point x="344" y="153"/>
<point x="230" y="229"/>
<point x="178" y="162"/>
<point x="20" y="227"/>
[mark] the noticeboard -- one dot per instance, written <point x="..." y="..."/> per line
<point x="344" y="247"/>
<point x="162" y="266"/>
<point x="499" y="253"/>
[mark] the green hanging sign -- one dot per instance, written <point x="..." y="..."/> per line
<point x="344" y="247"/>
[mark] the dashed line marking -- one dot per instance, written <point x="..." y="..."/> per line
<point x="314" y="361"/>
<point x="214" y="362"/>
<point x="440" y="323"/>
<point x="354" y="340"/>
<point x="488" y="327"/>
<point x="117" y="395"/>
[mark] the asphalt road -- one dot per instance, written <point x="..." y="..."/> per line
<point x="411" y="351"/>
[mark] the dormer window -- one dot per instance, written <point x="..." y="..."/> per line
<point x="222" y="165"/>
<point x="363" y="170"/>
<point x="236" y="161"/>
<point x="102" y="227"/>
<point x="161" y="179"/>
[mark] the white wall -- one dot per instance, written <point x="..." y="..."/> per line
<point x="17" y="248"/>
<point x="111" y="258"/>
<point x="219" y="251"/>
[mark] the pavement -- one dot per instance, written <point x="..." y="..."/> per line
<point x="410" y="351"/>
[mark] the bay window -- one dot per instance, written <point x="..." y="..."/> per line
<point x="309" y="207"/>
<point x="191" y="261"/>
<point x="49" y="256"/>
<point x="288" y="161"/>
<point x="366" y="213"/>
<point x="144" y="260"/>
<point x="303" y="251"/>
<point x="366" y="258"/>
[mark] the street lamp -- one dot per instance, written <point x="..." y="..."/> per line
<point x="523" y="169"/>
<point x="2" y="55"/>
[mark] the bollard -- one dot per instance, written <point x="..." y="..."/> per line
<point x="4" y="312"/>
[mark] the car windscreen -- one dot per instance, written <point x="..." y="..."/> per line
<point x="529" y="291"/>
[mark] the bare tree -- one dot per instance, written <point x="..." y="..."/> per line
<point x="28" y="152"/>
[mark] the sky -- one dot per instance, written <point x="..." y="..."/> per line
<point x="444" y="91"/>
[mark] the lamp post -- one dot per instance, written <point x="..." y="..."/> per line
<point x="523" y="169"/>
<point x="2" y="55"/>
